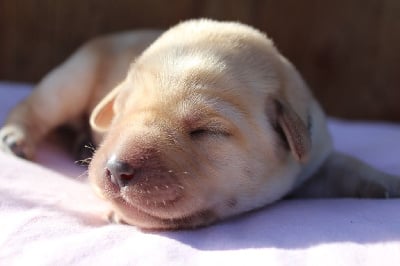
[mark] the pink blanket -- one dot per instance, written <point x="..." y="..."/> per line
<point x="49" y="216"/>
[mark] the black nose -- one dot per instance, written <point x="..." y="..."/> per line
<point x="119" y="172"/>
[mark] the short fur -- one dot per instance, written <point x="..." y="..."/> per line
<point x="202" y="122"/>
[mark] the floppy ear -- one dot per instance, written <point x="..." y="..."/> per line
<point x="291" y="129"/>
<point x="103" y="113"/>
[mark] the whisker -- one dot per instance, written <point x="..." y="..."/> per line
<point x="84" y="175"/>
<point x="90" y="147"/>
<point x="84" y="162"/>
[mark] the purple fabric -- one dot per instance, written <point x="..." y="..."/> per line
<point x="50" y="216"/>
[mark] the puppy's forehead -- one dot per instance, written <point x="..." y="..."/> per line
<point x="193" y="110"/>
<point x="222" y="70"/>
<point x="190" y="54"/>
<point x="172" y="70"/>
<point x="192" y="98"/>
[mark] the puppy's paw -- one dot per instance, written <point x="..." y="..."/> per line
<point x="13" y="140"/>
<point x="114" y="218"/>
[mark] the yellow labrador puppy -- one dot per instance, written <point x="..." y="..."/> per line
<point x="202" y="122"/>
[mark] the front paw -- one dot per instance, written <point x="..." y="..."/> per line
<point x="13" y="140"/>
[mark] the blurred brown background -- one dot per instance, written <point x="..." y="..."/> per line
<point x="347" y="50"/>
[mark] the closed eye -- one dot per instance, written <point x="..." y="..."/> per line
<point x="205" y="132"/>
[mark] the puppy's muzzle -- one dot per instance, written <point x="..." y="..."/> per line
<point x="141" y="179"/>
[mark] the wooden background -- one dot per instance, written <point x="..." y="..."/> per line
<point x="347" y="50"/>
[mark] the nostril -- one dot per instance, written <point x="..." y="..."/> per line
<point x="120" y="173"/>
<point x="127" y="177"/>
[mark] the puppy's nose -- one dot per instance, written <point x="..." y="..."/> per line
<point x="119" y="172"/>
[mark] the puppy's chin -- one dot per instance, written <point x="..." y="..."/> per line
<point x="148" y="219"/>
<point x="156" y="209"/>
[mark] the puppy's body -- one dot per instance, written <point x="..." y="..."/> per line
<point x="72" y="90"/>
<point x="207" y="122"/>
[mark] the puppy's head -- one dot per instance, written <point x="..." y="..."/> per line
<point x="202" y="128"/>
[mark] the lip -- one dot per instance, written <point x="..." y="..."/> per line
<point x="150" y="197"/>
<point x="153" y="199"/>
<point x="156" y="202"/>
<point x="151" y="221"/>
<point x="161" y="214"/>
<point x="138" y="212"/>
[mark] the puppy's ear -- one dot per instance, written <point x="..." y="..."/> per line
<point x="103" y="113"/>
<point x="291" y="129"/>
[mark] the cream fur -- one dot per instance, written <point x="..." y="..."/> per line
<point x="211" y="118"/>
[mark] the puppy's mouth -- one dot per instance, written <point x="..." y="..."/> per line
<point x="158" y="207"/>
<point x="156" y="202"/>
<point x="148" y="190"/>
<point x="147" y="220"/>
<point x="151" y="194"/>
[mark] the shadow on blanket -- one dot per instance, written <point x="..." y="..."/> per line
<point x="298" y="224"/>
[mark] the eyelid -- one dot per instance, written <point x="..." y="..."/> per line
<point x="211" y="128"/>
<point x="208" y="131"/>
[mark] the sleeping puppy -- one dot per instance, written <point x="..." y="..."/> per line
<point x="199" y="123"/>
